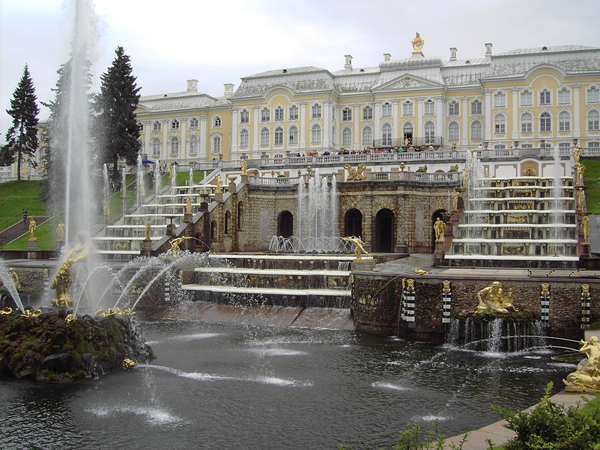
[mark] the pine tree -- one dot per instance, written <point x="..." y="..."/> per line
<point x="116" y="129"/>
<point x="21" y="138"/>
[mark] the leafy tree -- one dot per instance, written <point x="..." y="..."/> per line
<point x="21" y="138"/>
<point x="116" y="129"/>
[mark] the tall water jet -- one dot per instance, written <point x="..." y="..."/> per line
<point x="7" y="279"/>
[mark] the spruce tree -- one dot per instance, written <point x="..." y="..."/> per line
<point x="21" y="138"/>
<point x="116" y="129"/>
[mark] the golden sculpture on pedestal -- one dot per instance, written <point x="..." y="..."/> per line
<point x="244" y="167"/>
<point x="440" y="228"/>
<point x="62" y="280"/>
<point x="106" y="208"/>
<point x="359" y="250"/>
<point x="32" y="227"/>
<point x="587" y="376"/>
<point x="492" y="299"/>
<point x="585" y="227"/>
<point x="60" y="231"/>
<point x="356" y="174"/>
<point x="455" y="197"/>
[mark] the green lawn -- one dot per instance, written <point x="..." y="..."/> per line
<point x="591" y="178"/>
<point x="16" y="195"/>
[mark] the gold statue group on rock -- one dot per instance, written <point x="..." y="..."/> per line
<point x="492" y="299"/>
<point x="587" y="376"/>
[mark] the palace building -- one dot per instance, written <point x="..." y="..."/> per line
<point x="525" y="98"/>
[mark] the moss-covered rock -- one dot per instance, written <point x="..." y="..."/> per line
<point x="47" y="348"/>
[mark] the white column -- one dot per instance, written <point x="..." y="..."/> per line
<point x="395" y="114"/>
<point x="465" y="125"/>
<point x="487" y="105"/>
<point x="515" y="114"/>
<point x="148" y="138"/>
<point x="256" y="133"/>
<point x="234" y="133"/>
<point x="576" y="112"/>
<point x="165" y="130"/>
<point x="440" y="127"/>
<point x="356" y="145"/>
<point x="203" y="156"/>
<point x="182" y="126"/>
<point x="328" y="114"/>
<point x="302" y="130"/>
<point x="377" y="122"/>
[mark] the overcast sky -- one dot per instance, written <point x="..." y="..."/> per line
<point x="219" y="42"/>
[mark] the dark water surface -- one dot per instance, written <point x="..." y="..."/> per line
<point x="238" y="387"/>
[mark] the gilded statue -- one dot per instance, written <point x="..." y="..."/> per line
<point x="188" y="205"/>
<point x="32" y="227"/>
<point x="417" y="44"/>
<point x="585" y="228"/>
<point x="60" y="231"/>
<point x="580" y="169"/>
<point x="63" y="278"/>
<point x="455" y="196"/>
<point x="465" y="178"/>
<point x="244" y="167"/>
<point x="106" y="207"/>
<point x="355" y="174"/>
<point x="577" y="155"/>
<point x="491" y="298"/>
<point x="148" y="228"/>
<point x="359" y="250"/>
<point x="587" y="375"/>
<point x="219" y="184"/>
<point x="580" y="199"/>
<point x="175" y="244"/>
<point x="440" y="228"/>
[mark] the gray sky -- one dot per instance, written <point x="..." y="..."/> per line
<point x="220" y="42"/>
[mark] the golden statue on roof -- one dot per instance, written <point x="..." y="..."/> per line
<point x="417" y="44"/>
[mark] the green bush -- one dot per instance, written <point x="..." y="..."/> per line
<point x="549" y="426"/>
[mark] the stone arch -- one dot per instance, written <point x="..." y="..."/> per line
<point x="285" y="224"/>
<point x="384" y="231"/>
<point x="353" y="223"/>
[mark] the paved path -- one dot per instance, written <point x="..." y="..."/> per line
<point x="499" y="434"/>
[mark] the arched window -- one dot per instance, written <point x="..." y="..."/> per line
<point x="499" y="100"/>
<point x="407" y="130"/>
<point x="346" y="137"/>
<point x="193" y="144"/>
<point x="367" y="136"/>
<point x="155" y="145"/>
<point x="193" y="123"/>
<point x="293" y="134"/>
<point x="526" y="98"/>
<point x="240" y="215"/>
<point x="278" y="136"/>
<point x="544" y="97"/>
<point x="156" y="126"/>
<point x="386" y="109"/>
<point x="346" y="114"/>
<point x="367" y="113"/>
<point x="244" y="116"/>
<point x="593" y="95"/>
<point x="216" y="144"/>
<point x="407" y="108"/>
<point x="593" y="120"/>
<point x="526" y="123"/>
<point x="227" y="222"/>
<point x="476" y="107"/>
<point x="500" y="124"/>
<point x="174" y="146"/>
<point x="386" y="134"/>
<point x="564" y="96"/>
<point x="265" y="114"/>
<point x="564" y="121"/>
<point x="316" y="111"/>
<point x="175" y="125"/>
<point x="244" y="138"/>
<point x="429" y="129"/>
<point x="476" y="131"/>
<point x="293" y="112"/>
<point x="264" y="137"/>
<point x="545" y="123"/>
<point x="315" y="134"/>
<point x="217" y="122"/>
<point x="453" y="108"/>
<point x="429" y="107"/>
<point x="279" y="114"/>
<point x="453" y="131"/>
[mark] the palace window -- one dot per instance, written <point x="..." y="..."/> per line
<point x="315" y="134"/>
<point x="244" y="116"/>
<point x="545" y="123"/>
<point x="453" y="131"/>
<point x="316" y="111"/>
<point x="265" y="114"/>
<point x="453" y="108"/>
<point x="175" y="125"/>
<point x="346" y="137"/>
<point x="244" y="138"/>
<point x="593" y="95"/>
<point x="429" y="132"/>
<point x="386" y="110"/>
<point x="407" y="130"/>
<point x="476" y="107"/>
<point x="526" y="123"/>
<point x="279" y="114"/>
<point x="264" y="137"/>
<point x="564" y="121"/>
<point x="346" y="114"/>
<point x="593" y="121"/>
<point x="499" y="146"/>
<point x="526" y="98"/>
<point x="499" y="100"/>
<point x="293" y="112"/>
<point x="367" y="136"/>
<point x="544" y="97"/>
<point x="216" y="144"/>
<point x="278" y="136"/>
<point x="429" y="108"/>
<point x="593" y="145"/>
<point x="527" y="146"/>
<point x="217" y="122"/>
<point x="156" y="127"/>
<point x="193" y="144"/>
<point x="141" y="125"/>
<point x="386" y="133"/>
<point x="293" y="135"/>
<point x="476" y="131"/>
<point x="564" y="96"/>
<point x="193" y="123"/>
<point x="407" y="108"/>
<point x="499" y="124"/>
<point x="367" y="113"/>
<point x="174" y="146"/>
<point x="155" y="146"/>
